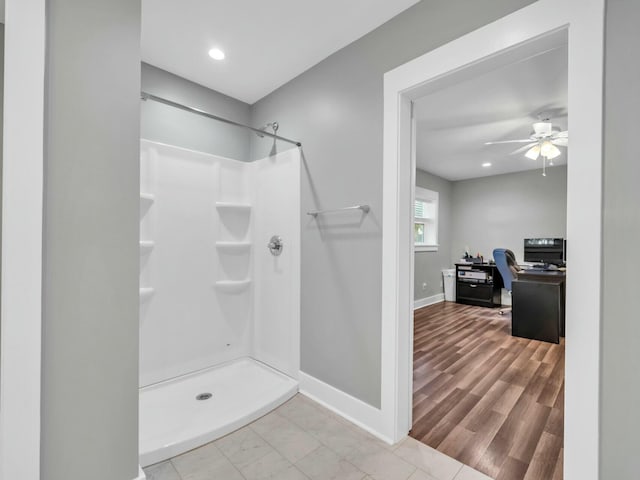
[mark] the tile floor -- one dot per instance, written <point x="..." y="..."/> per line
<point x="301" y="440"/>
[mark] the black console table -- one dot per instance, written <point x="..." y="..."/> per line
<point x="478" y="284"/>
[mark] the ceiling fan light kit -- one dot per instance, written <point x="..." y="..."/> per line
<point x="543" y="142"/>
<point x="542" y="129"/>
<point x="533" y="152"/>
<point x="549" y="150"/>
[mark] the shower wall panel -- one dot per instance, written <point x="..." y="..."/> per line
<point x="210" y="290"/>
<point x="188" y="320"/>
<point x="276" y="196"/>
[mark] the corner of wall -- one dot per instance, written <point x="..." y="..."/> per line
<point x="141" y="475"/>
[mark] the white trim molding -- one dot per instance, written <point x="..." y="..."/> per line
<point x="141" y="475"/>
<point x="426" y="248"/>
<point x="580" y="23"/>
<point x="426" y="301"/>
<point x="22" y="195"/>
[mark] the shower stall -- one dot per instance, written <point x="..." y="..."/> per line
<point x="219" y="293"/>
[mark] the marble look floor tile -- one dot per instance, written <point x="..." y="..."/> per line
<point x="366" y="436"/>
<point x="321" y="413"/>
<point x="324" y="464"/>
<point x="420" y="475"/>
<point x="285" y="436"/>
<point x="205" y="463"/>
<point x="272" y="466"/>
<point x="302" y="413"/>
<point x="302" y="440"/>
<point x="380" y="463"/>
<point x="468" y="473"/>
<point x="243" y="447"/>
<point x="352" y="426"/>
<point x="340" y="438"/>
<point x="161" y="471"/>
<point x="427" y="459"/>
<point x="267" y="422"/>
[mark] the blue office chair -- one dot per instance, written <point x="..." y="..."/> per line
<point x="507" y="266"/>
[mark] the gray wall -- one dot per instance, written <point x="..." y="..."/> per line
<point x="490" y="212"/>
<point x="335" y="110"/>
<point x="620" y="397"/>
<point x="503" y="210"/>
<point x="90" y="241"/>
<point x="176" y="127"/>
<point x="429" y="265"/>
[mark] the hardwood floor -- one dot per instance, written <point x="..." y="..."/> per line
<point x="492" y="401"/>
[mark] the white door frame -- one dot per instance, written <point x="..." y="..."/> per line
<point x="21" y="317"/>
<point x="584" y="22"/>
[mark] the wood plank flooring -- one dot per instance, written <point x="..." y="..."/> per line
<point x="490" y="400"/>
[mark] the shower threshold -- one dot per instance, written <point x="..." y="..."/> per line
<point x="186" y="412"/>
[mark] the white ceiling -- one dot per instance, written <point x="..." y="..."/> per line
<point x="454" y="123"/>
<point x="267" y="43"/>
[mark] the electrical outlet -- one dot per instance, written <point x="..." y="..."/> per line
<point x="424" y="286"/>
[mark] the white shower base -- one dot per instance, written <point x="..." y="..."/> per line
<point x="172" y="421"/>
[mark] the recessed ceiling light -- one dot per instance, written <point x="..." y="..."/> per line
<point x="486" y="164"/>
<point x="216" y="54"/>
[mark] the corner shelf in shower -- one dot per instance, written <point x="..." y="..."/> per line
<point x="232" y="286"/>
<point x="233" y="247"/>
<point x="146" y="294"/>
<point x="231" y="206"/>
<point x="146" y="246"/>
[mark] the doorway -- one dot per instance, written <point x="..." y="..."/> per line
<point x="490" y="400"/>
<point x="484" y="49"/>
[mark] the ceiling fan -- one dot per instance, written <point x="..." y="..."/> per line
<point x="543" y="142"/>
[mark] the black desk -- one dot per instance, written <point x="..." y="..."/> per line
<point x="538" y="299"/>
<point x="478" y="284"/>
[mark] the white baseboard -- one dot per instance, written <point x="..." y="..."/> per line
<point x="423" y="302"/>
<point x="356" y="411"/>
<point x="141" y="475"/>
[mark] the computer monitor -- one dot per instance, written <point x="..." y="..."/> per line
<point x="550" y="251"/>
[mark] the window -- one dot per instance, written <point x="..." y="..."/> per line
<point x="425" y="222"/>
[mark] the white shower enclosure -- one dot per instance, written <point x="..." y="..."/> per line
<point x="219" y="312"/>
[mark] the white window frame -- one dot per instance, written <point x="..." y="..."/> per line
<point x="427" y="196"/>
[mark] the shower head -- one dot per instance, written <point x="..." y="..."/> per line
<point x="273" y="125"/>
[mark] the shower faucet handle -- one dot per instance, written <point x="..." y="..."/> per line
<point x="275" y="245"/>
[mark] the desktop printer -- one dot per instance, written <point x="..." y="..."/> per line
<point x="474" y="276"/>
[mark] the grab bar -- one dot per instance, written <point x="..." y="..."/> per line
<point x="364" y="208"/>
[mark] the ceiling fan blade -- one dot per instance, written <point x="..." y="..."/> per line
<point x="523" y="149"/>
<point x="564" y="134"/>
<point x="523" y="140"/>
<point x="561" y="142"/>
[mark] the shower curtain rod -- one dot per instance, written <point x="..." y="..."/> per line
<point x="149" y="96"/>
